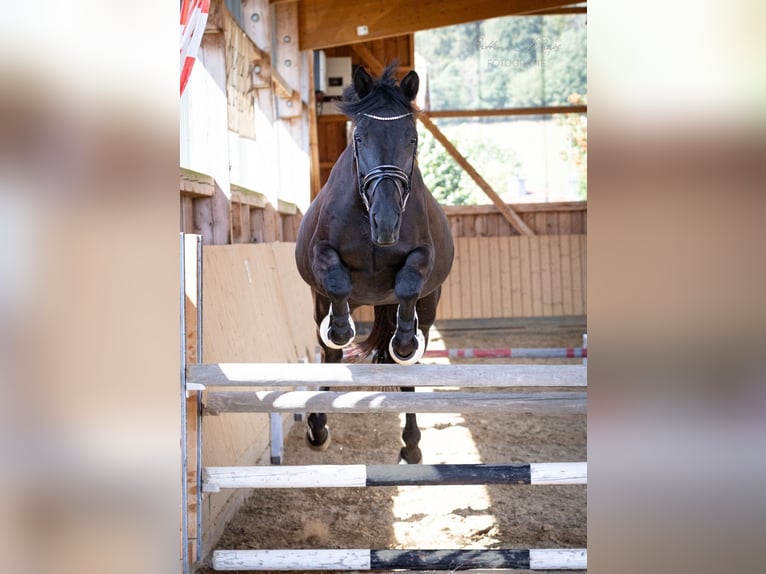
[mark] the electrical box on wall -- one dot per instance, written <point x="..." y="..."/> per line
<point x="338" y="76"/>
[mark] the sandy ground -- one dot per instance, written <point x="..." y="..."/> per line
<point x="438" y="517"/>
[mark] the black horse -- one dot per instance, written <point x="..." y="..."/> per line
<point x="375" y="235"/>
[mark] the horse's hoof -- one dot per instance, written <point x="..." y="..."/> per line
<point x="417" y="458"/>
<point x="417" y="354"/>
<point x="316" y="444"/>
<point x="324" y="332"/>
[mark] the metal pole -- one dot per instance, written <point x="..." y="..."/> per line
<point x="199" y="400"/>
<point x="184" y="461"/>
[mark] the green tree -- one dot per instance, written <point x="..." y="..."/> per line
<point x="440" y="172"/>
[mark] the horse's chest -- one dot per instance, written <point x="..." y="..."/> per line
<point x="373" y="272"/>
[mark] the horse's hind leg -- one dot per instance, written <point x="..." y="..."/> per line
<point x="410" y="452"/>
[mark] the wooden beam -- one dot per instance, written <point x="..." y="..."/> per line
<point x="281" y="375"/>
<point x="195" y="184"/>
<point x="327" y="23"/>
<point x="513" y="218"/>
<point x="548" y="403"/>
<point x="373" y="65"/>
<point x="561" y="11"/>
<point x="533" y="111"/>
<point x="247" y="196"/>
<point x="452" y="210"/>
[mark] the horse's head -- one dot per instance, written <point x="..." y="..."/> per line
<point x="385" y="144"/>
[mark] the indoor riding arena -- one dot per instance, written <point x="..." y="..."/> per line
<point x="500" y="392"/>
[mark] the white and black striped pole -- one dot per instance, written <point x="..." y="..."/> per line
<point x="360" y="475"/>
<point x="450" y="560"/>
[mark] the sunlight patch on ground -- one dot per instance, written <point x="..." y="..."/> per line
<point x="444" y="516"/>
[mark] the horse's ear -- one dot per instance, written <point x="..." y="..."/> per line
<point x="362" y="82"/>
<point x="410" y="84"/>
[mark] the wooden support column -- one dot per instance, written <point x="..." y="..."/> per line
<point x="286" y="60"/>
<point x="513" y="218"/>
<point x="192" y="398"/>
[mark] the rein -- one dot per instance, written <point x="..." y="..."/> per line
<point x="376" y="175"/>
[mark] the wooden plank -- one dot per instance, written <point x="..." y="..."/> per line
<point x="455" y="283"/>
<point x="535" y="275"/>
<point x="474" y="279"/>
<point x="203" y="219"/>
<point x="578" y="307"/>
<point x="187" y="215"/>
<point x="584" y="269"/>
<point x="565" y="250"/>
<point x="195" y="184"/>
<point x="539" y="403"/>
<point x="564" y="223"/>
<point x="191" y="296"/>
<point x="504" y="208"/>
<point x="269" y="223"/>
<point x="525" y="272"/>
<point x="342" y="375"/>
<point x="455" y="210"/>
<point x="241" y="55"/>
<point x="374" y="65"/>
<point x="514" y="305"/>
<point x="256" y="21"/>
<point x="466" y="301"/>
<point x="256" y="225"/>
<point x="545" y="275"/>
<point x="236" y="223"/>
<point x="326" y="23"/>
<point x="499" y="285"/>
<point x="286" y="60"/>
<point x="531" y="111"/>
<point x="485" y="275"/>
<point x="240" y="194"/>
<point x="557" y="295"/>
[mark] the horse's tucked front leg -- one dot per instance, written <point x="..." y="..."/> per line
<point x="337" y="329"/>
<point x="408" y="343"/>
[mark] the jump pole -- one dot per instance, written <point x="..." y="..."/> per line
<point x="276" y="375"/>
<point x="448" y="560"/>
<point x="218" y="402"/>
<point x="509" y="353"/>
<point x="360" y="475"/>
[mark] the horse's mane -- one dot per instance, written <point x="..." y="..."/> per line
<point x="385" y="94"/>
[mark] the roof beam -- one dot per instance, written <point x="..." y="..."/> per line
<point x="327" y="23"/>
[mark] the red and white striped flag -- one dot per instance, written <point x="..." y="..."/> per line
<point x="193" y="19"/>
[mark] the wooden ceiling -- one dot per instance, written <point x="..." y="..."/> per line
<point x="328" y="23"/>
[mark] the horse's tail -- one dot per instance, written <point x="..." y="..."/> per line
<point x="383" y="328"/>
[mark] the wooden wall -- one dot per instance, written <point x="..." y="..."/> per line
<point x="245" y="127"/>
<point x="543" y="218"/>
<point x="256" y="309"/>
<point x="499" y="274"/>
<point x="516" y="276"/>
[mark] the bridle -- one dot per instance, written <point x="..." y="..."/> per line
<point x="376" y="175"/>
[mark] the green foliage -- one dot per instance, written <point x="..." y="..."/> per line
<point x="515" y="61"/>
<point x="448" y="182"/>
<point x="510" y="62"/>
<point x="578" y="142"/>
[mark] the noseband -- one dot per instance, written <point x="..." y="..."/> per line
<point x="373" y="178"/>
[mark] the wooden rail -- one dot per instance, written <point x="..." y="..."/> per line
<point x="369" y="375"/>
<point x="217" y="402"/>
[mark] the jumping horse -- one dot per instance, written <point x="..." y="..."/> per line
<point x="374" y="235"/>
